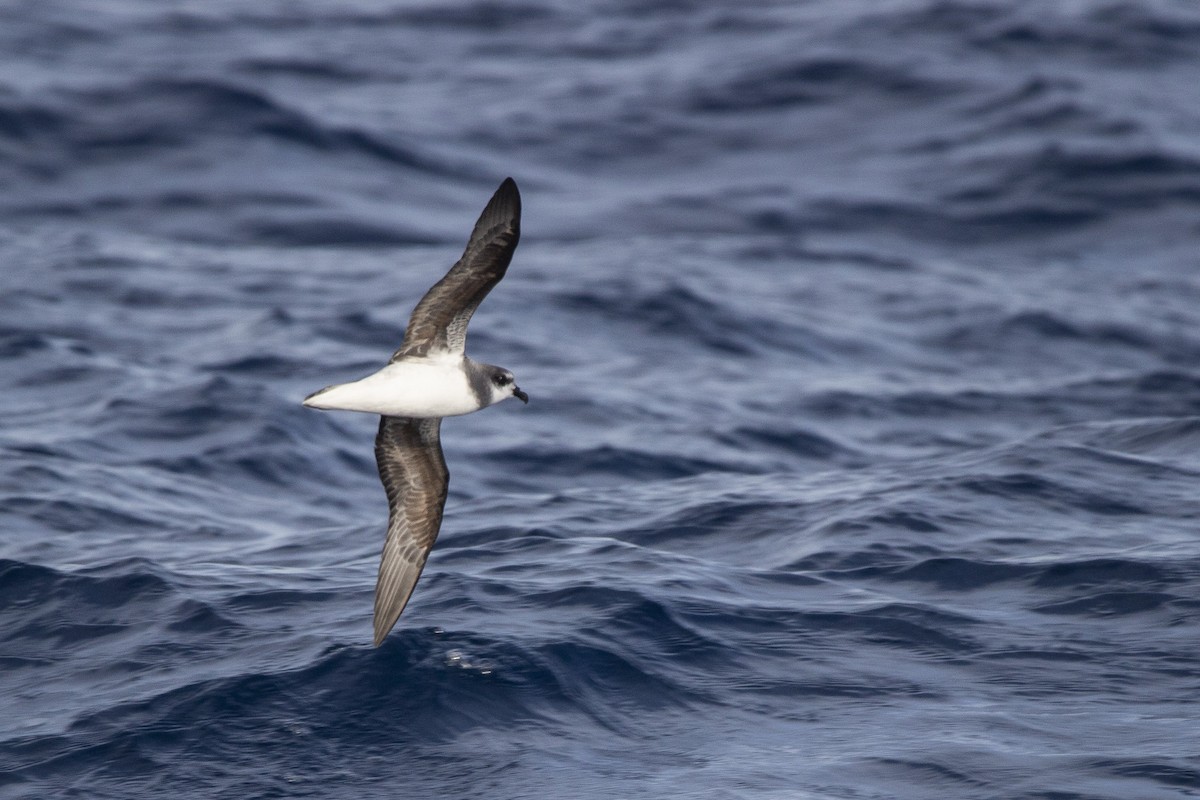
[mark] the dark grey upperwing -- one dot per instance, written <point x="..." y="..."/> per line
<point x="439" y="322"/>
<point x="414" y="475"/>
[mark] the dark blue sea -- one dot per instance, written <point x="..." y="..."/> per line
<point x="863" y="454"/>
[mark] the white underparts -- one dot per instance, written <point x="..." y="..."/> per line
<point x="409" y="388"/>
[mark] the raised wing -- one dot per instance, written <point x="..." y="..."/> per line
<point x="439" y="322"/>
<point x="414" y="475"/>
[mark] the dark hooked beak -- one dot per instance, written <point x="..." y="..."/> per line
<point x="517" y="393"/>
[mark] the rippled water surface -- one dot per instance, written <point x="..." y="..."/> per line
<point x="863" y="341"/>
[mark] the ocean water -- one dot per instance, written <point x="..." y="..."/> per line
<point x="863" y="345"/>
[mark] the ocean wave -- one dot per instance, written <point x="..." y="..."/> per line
<point x="812" y="80"/>
<point x="56" y="612"/>
<point x="158" y="115"/>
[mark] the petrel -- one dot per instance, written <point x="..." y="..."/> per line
<point x="428" y="378"/>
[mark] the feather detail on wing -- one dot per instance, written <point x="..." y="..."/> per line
<point x="414" y="475"/>
<point x="439" y="322"/>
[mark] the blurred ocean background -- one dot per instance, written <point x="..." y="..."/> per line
<point x="863" y="342"/>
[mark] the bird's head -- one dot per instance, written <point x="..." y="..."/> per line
<point x="503" y="385"/>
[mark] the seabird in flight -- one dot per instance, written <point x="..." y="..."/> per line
<point x="428" y="378"/>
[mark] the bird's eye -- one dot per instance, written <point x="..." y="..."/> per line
<point x="502" y="380"/>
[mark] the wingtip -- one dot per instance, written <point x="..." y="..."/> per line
<point x="508" y="191"/>
<point x="382" y="630"/>
<point x="503" y="208"/>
